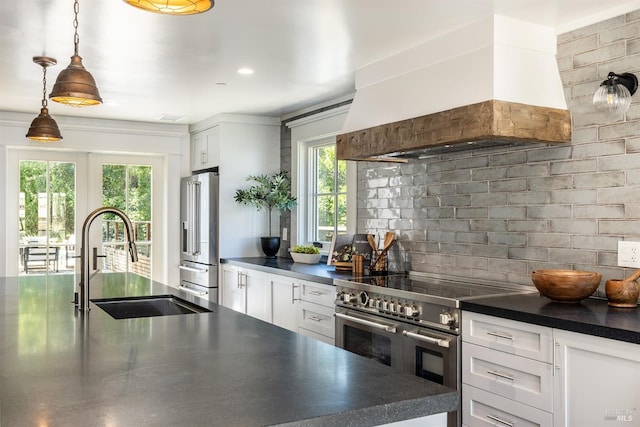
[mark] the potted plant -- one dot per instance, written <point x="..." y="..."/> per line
<point x="268" y="192"/>
<point x="306" y="254"/>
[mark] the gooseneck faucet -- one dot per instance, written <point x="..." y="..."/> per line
<point x="85" y="271"/>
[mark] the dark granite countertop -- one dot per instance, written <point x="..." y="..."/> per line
<point x="219" y="368"/>
<point x="591" y="316"/>
<point x="320" y="273"/>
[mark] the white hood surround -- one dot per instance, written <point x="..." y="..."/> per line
<point x="495" y="81"/>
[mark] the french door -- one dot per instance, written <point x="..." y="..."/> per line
<point x="54" y="193"/>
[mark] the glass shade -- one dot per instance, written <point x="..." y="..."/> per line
<point x="612" y="98"/>
<point x="75" y="86"/>
<point x="43" y="128"/>
<point x="173" y="7"/>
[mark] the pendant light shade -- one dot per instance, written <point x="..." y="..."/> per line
<point x="173" y="7"/>
<point x="75" y="86"/>
<point x="43" y="128"/>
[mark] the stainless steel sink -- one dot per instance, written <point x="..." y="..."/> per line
<point x="147" y="306"/>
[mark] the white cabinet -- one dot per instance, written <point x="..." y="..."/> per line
<point x="516" y="373"/>
<point x="597" y="381"/>
<point x="316" y="311"/>
<point x="204" y="149"/>
<point x="247" y="291"/>
<point x="506" y="372"/>
<point x="298" y="305"/>
<point x="285" y="295"/>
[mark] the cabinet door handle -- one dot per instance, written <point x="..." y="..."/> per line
<point x="556" y="344"/>
<point x="499" y="420"/>
<point x="315" y="293"/>
<point x="293" y="293"/>
<point x="192" y="291"/>
<point x="500" y="335"/>
<point x="315" y="319"/>
<point x="501" y="375"/>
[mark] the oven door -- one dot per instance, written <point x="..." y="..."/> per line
<point x="370" y="336"/>
<point x="432" y="355"/>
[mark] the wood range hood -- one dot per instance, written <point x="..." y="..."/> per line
<point x="494" y="82"/>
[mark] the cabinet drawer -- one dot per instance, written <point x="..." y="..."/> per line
<point x="514" y="377"/>
<point x="510" y="336"/>
<point x="316" y="318"/>
<point x="483" y="409"/>
<point x="318" y="293"/>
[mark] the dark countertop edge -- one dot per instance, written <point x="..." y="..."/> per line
<point x="558" y="322"/>
<point x="387" y="413"/>
<point x="319" y="273"/>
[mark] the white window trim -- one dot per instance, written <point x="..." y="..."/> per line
<point x="305" y="132"/>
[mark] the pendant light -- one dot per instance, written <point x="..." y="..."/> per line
<point x="75" y="86"/>
<point x="43" y="128"/>
<point x="173" y="7"/>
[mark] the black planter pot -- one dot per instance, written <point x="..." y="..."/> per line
<point x="270" y="246"/>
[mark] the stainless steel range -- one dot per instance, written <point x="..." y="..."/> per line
<point x="409" y="322"/>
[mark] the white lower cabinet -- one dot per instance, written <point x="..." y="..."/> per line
<point x="247" y="291"/>
<point x="285" y="297"/>
<point x="519" y="374"/>
<point x="597" y="381"/>
<point x="298" y="305"/>
<point x="316" y="311"/>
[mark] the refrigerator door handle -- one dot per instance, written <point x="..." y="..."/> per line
<point x="193" y="217"/>
<point x="195" y="270"/>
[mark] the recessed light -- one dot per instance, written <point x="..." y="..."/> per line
<point x="245" y="71"/>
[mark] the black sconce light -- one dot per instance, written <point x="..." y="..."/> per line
<point x="614" y="94"/>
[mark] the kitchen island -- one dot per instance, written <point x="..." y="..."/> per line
<point x="218" y="368"/>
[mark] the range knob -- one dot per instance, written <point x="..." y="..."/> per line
<point x="349" y="298"/>
<point x="392" y="307"/>
<point x="363" y="298"/>
<point x="411" y="311"/>
<point x="385" y="305"/>
<point x="447" y="318"/>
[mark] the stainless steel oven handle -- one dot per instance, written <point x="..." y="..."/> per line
<point x="430" y="340"/>
<point x="375" y="325"/>
<point x="195" y="270"/>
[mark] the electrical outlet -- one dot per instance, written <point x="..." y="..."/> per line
<point x="285" y="234"/>
<point x="629" y="254"/>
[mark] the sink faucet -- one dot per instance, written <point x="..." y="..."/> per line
<point x="85" y="271"/>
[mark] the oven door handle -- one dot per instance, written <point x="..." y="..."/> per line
<point x="369" y="323"/>
<point x="430" y="340"/>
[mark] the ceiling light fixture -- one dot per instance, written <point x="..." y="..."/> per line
<point x="614" y="94"/>
<point x="245" y="71"/>
<point x="43" y="128"/>
<point x="173" y="7"/>
<point x="75" y="86"/>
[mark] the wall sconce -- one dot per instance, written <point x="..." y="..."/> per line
<point x="43" y="128"/>
<point x="75" y="86"/>
<point x="173" y="7"/>
<point x="614" y="94"/>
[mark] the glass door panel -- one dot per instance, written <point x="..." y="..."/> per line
<point x="128" y="188"/>
<point x="46" y="216"/>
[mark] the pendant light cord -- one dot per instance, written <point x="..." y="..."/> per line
<point x="76" y="37"/>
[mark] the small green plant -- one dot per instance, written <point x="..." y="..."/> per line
<point x="269" y="192"/>
<point x="310" y="249"/>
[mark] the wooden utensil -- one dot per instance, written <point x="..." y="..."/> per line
<point x="372" y="242"/>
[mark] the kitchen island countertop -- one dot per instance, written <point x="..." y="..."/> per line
<point x="218" y="368"/>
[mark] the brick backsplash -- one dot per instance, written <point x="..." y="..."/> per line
<point x="500" y="213"/>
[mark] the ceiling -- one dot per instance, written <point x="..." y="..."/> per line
<point x="304" y="52"/>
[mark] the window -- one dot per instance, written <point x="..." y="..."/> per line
<point x="327" y="203"/>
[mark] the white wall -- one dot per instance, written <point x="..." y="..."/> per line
<point x="168" y="141"/>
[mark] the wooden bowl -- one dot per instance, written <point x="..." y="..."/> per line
<point x="566" y="285"/>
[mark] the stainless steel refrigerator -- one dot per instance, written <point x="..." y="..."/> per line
<point x="199" y="235"/>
